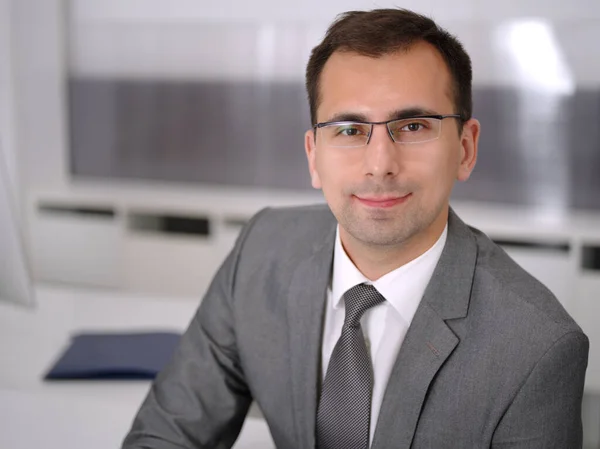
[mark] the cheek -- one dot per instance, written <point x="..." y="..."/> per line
<point x="331" y="184"/>
<point x="434" y="170"/>
<point x="335" y="170"/>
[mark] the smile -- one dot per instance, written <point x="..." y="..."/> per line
<point x="382" y="202"/>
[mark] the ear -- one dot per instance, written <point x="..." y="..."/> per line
<point x="468" y="142"/>
<point x="311" y="154"/>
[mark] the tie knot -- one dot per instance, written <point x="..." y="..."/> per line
<point x="358" y="300"/>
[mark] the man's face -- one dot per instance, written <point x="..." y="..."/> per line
<point x="385" y="193"/>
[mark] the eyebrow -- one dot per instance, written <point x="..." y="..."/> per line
<point x="394" y="115"/>
<point x="347" y="117"/>
<point x="411" y="112"/>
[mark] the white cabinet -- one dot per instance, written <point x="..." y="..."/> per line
<point x="587" y="315"/>
<point x="173" y="253"/>
<point x="76" y="243"/>
<point x="157" y="251"/>
<point x="553" y="265"/>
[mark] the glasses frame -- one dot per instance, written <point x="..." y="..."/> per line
<point x="438" y="117"/>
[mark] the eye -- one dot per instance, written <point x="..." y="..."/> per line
<point x="413" y="127"/>
<point x="349" y="131"/>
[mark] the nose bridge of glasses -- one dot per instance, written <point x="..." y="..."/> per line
<point x="386" y="129"/>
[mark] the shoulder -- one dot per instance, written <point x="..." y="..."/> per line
<point x="288" y="220"/>
<point x="514" y="294"/>
<point x="276" y="233"/>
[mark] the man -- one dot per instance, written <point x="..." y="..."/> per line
<point x="382" y="321"/>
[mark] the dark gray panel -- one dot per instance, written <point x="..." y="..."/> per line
<point x="535" y="149"/>
<point x="240" y="134"/>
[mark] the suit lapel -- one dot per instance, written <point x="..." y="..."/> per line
<point x="429" y="341"/>
<point x="307" y="295"/>
<point x="426" y="347"/>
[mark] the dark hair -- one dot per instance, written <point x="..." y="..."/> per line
<point x="383" y="31"/>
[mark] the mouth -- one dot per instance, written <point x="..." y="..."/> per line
<point x="382" y="202"/>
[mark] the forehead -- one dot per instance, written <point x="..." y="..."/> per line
<point x="375" y="87"/>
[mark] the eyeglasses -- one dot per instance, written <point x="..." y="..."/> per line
<point x="347" y="134"/>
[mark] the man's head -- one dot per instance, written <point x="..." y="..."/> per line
<point x="384" y="31"/>
<point x="376" y="66"/>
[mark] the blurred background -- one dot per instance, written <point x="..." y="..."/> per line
<point x="140" y="135"/>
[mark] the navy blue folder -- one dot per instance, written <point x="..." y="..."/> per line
<point x="115" y="356"/>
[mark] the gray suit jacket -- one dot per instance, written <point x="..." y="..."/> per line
<point x="491" y="358"/>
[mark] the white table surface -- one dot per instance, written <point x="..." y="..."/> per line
<point x="80" y="414"/>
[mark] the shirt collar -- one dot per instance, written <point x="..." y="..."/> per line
<point x="403" y="287"/>
<point x="345" y="273"/>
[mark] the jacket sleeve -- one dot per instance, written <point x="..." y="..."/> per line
<point x="546" y="411"/>
<point x="200" y="400"/>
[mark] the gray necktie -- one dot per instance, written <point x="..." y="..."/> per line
<point x="345" y="406"/>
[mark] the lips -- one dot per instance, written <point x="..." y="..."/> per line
<point x="382" y="201"/>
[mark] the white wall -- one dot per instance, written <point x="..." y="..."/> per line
<point x="319" y="10"/>
<point x="259" y="10"/>
<point x="38" y="58"/>
<point x="7" y="137"/>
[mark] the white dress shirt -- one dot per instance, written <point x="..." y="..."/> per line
<point x="384" y="325"/>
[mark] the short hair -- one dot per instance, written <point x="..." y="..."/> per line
<point x="383" y="31"/>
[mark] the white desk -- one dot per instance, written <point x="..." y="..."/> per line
<point x="80" y="414"/>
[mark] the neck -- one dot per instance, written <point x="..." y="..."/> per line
<point x="374" y="261"/>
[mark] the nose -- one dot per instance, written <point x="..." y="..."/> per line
<point x="381" y="154"/>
